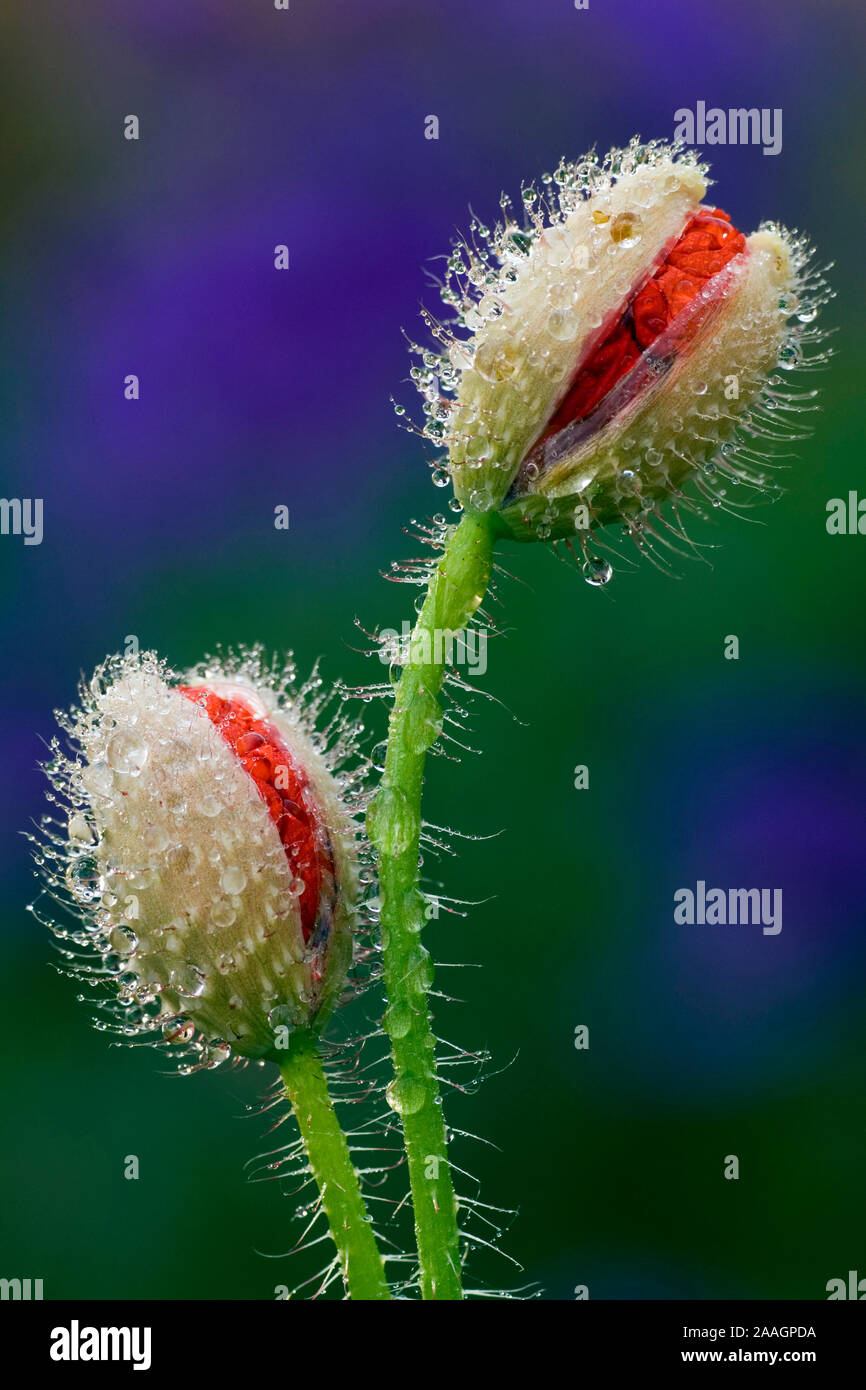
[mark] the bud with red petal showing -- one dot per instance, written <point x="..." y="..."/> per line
<point x="212" y="848"/>
<point x="617" y="344"/>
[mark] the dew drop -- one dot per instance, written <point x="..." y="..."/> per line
<point x="222" y="914"/>
<point x="178" y="1030"/>
<point x="562" y="325"/>
<point x="233" y="880"/>
<point x="82" y="876"/>
<point x="122" y="941"/>
<point x="406" y="1095"/>
<point x="216" y="1052"/>
<point x="98" y="779"/>
<point x="127" y="752"/>
<point x="596" y="571"/>
<point x="79" y="829"/>
<point x="377" y="755"/>
<point x="281" y="1016"/>
<point x="187" y="980"/>
<point x="423" y="721"/>
<point x="392" y="824"/>
<point x="398" y="1020"/>
<point x="789" y="357"/>
<point x="420" y="970"/>
<point x="478" y="447"/>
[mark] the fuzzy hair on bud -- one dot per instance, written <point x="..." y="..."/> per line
<point x="208" y="840"/>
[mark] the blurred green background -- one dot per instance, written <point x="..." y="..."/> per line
<point x="258" y="391"/>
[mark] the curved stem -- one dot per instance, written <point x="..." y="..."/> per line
<point x="332" y="1167"/>
<point x="456" y="590"/>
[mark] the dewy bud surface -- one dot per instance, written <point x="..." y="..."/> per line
<point x="615" y="342"/>
<point x="211" y="849"/>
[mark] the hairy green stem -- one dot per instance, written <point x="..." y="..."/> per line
<point x="332" y="1167"/>
<point x="456" y="589"/>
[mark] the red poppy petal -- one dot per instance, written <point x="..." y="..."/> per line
<point x="283" y="786"/>
<point x="707" y="244"/>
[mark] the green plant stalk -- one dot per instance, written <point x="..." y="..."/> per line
<point x="456" y="590"/>
<point x="332" y="1167"/>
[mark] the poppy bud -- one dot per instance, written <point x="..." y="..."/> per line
<point x="211" y="851"/>
<point x="615" y="343"/>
